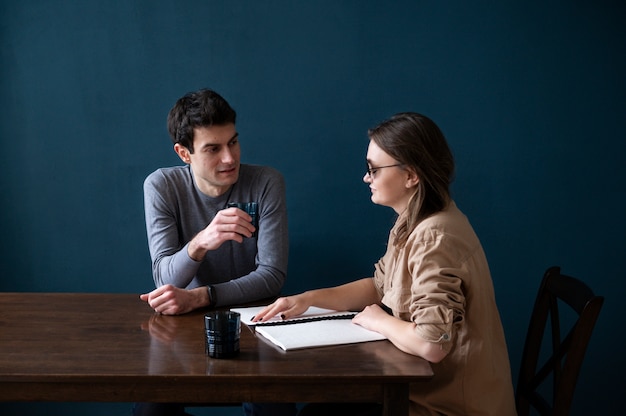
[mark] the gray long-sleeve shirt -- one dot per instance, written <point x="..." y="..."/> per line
<point x="176" y="210"/>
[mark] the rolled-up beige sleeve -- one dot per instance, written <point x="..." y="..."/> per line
<point x="422" y="283"/>
<point x="437" y="301"/>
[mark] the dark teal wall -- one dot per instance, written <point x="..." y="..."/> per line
<point x="531" y="95"/>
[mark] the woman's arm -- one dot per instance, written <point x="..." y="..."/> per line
<point x="353" y="296"/>
<point x="401" y="333"/>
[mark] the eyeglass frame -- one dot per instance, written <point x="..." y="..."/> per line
<point x="371" y="170"/>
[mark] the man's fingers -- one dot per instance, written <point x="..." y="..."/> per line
<point x="237" y="217"/>
<point x="237" y="213"/>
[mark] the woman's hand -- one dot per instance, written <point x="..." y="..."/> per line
<point x="372" y="318"/>
<point x="286" y="308"/>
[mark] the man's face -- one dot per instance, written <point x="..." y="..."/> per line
<point x="216" y="158"/>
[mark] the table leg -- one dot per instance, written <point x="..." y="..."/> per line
<point x="396" y="399"/>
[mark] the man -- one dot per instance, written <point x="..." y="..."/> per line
<point x="205" y="253"/>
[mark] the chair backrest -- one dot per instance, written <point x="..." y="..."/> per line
<point x="566" y="355"/>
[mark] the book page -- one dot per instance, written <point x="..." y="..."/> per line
<point x="317" y="334"/>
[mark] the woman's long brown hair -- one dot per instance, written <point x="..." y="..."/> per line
<point x="415" y="141"/>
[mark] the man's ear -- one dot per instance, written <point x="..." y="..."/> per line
<point x="182" y="152"/>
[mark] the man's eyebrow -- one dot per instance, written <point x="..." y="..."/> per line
<point x="204" y="146"/>
<point x="219" y="144"/>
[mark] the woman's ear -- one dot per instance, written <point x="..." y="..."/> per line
<point x="182" y="152"/>
<point x="412" y="179"/>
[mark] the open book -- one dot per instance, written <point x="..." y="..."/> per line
<point x="316" y="327"/>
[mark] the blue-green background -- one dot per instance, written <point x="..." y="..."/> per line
<point x="530" y="94"/>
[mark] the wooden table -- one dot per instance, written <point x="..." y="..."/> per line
<point x="113" y="348"/>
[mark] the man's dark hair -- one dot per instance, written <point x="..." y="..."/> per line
<point x="203" y="108"/>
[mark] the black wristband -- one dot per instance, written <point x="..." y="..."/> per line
<point x="212" y="297"/>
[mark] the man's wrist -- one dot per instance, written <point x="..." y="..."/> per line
<point x="194" y="251"/>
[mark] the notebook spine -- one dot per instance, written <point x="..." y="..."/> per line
<point x="305" y="320"/>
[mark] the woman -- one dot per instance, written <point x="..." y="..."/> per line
<point x="434" y="278"/>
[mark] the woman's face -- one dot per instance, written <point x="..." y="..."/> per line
<point x="391" y="183"/>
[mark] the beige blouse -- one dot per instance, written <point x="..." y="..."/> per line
<point x="441" y="281"/>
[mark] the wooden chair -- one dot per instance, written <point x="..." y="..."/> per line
<point x="566" y="355"/>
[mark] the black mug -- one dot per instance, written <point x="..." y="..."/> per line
<point x="222" y="332"/>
